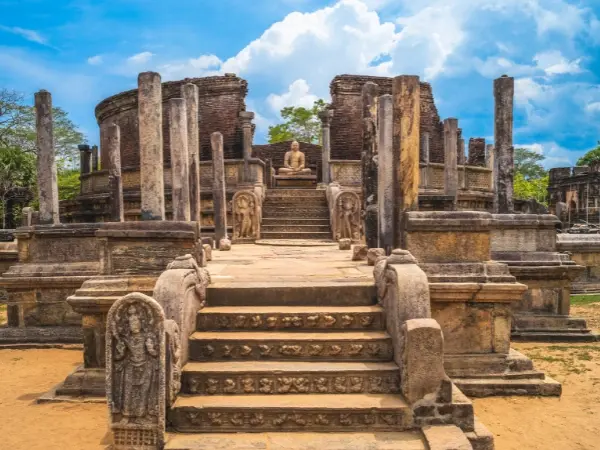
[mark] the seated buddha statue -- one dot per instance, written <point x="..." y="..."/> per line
<point x="293" y="163"/>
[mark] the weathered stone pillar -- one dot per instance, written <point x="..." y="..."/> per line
<point x="370" y="92"/>
<point x="425" y="141"/>
<point x="95" y="159"/>
<point x="489" y="163"/>
<point x="477" y="152"/>
<point x="46" y="162"/>
<point x="180" y="188"/>
<point x="151" y="146"/>
<point x="84" y="159"/>
<point x="115" y="183"/>
<point x="504" y="92"/>
<point x="326" y="117"/>
<point x="450" y="159"/>
<point x="406" y="141"/>
<point x="460" y="142"/>
<point x="246" y="118"/>
<point x="190" y="95"/>
<point x="385" y="174"/>
<point x="219" y="196"/>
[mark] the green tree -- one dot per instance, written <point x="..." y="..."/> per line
<point x="17" y="170"/>
<point x="536" y="188"/>
<point x="527" y="163"/>
<point x="68" y="184"/>
<point x="299" y="123"/>
<point x="591" y="157"/>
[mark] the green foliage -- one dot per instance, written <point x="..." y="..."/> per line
<point x="527" y="163"/>
<point x="536" y="188"/>
<point x="68" y="184"/>
<point x="299" y="123"/>
<point x="17" y="170"/>
<point x="591" y="157"/>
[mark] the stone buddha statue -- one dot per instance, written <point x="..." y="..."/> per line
<point x="294" y="162"/>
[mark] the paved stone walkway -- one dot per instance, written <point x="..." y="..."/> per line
<point x="265" y="263"/>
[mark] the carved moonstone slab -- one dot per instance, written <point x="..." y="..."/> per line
<point x="136" y="375"/>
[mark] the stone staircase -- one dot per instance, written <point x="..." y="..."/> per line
<point x="295" y="214"/>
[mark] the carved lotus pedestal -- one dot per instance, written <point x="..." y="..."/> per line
<point x="472" y="298"/>
<point x="54" y="260"/>
<point x="133" y="256"/>
<point x="527" y="244"/>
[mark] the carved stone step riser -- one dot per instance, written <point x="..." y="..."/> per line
<point x="207" y="420"/>
<point x="282" y="193"/>
<point x="290" y="350"/>
<point x="286" y="221"/>
<point x="374" y="382"/>
<point x="317" y="214"/>
<point x="296" y="235"/>
<point x="298" y="228"/>
<point x="290" y="322"/>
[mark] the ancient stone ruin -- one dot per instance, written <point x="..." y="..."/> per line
<point x="187" y="345"/>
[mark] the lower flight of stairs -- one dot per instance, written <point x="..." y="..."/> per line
<point x="295" y="214"/>
<point x="309" y="363"/>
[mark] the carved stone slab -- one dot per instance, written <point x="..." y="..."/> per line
<point x="246" y="216"/>
<point x="135" y="375"/>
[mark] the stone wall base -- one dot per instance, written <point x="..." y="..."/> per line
<point x="31" y="337"/>
<point x="551" y="328"/>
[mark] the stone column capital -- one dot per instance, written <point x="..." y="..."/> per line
<point x="246" y="118"/>
<point x="326" y="117"/>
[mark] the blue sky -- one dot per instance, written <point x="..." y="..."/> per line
<point x="289" y="50"/>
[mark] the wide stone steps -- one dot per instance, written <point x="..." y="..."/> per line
<point x="295" y="200"/>
<point x="281" y="346"/>
<point x="290" y="318"/>
<point x="290" y="293"/>
<point x="299" y="211"/>
<point x="322" y="235"/>
<point x="297" y="228"/>
<point x="295" y="193"/>
<point x="267" y="221"/>
<point x="289" y="377"/>
<point x="373" y="412"/>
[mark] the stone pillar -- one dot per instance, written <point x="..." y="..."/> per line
<point x="84" y="159"/>
<point x="219" y="196"/>
<point x="46" y="162"/>
<point x="190" y="95"/>
<point x="370" y="92"/>
<point x="385" y="174"/>
<point x="450" y="159"/>
<point x="180" y="188"/>
<point x="406" y="142"/>
<point x="504" y="92"/>
<point x="326" y="117"/>
<point x="425" y="140"/>
<point x="489" y="163"/>
<point x="115" y="183"/>
<point x="151" y="146"/>
<point x="246" y="118"/>
<point x="95" y="160"/>
<point x="477" y="152"/>
<point x="460" y="142"/>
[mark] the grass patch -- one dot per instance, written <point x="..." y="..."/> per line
<point x="580" y="300"/>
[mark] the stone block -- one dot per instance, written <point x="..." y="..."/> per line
<point x="448" y="247"/>
<point x="224" y="245"/>
<point x="359" y="252"/>
<point x="345" y="244"/>
<point x="446" y="437"/>
<point x="374" y="254"/>
<point x="207" y="251"/>
<point x="422" y="360"/>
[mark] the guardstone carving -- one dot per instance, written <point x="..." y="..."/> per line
<point x="135" y="377"/>
<point x="347" y="211"/>
<point x="246" y="216"/>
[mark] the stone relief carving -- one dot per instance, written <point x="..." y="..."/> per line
<point x="301" y="321"/>
<point x="347" y="212"/>
<point x="136" y="360"/>
<point x="246" y="216"/>
<point x="173" y="358"/>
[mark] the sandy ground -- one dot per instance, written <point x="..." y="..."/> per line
<point x="571" y="422"/>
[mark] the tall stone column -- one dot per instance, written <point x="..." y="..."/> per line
<point x="504" y="92"/>
<point x="190" y="95"/>
<point x="490" y="154"/>
<point x="95" y="159"/>
<point x="178" y="133"/>
<point x="152" y="184"/>
<point x="386" y="173"/>
<point x="325" y="117"/>
<point x="370" y="92"/>
<point x="46" y="162"/>
<point x="219" y="196"/>
<point x="406" y="142"/>
<point x="85" y="165"/>
<point x="246" y="118"/>
<point x="462" y="158"/>
<point x="425" y="150"/>
<point x="450" y="158"/>
<point x="115" y="183"/>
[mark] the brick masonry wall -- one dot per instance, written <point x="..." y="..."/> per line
<point x="346" y="126"/>
<point x="476" y="152"/>
<point x="220" y="101"/>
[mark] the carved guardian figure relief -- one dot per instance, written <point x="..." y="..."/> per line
<point x="347" y="216"/>
<point x="245" y="216"/>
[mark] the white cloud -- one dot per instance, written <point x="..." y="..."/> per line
<point x="140" y="58"/>
<point x="298" y="94"/>
<point x="204" y="65"/>
<point x="30" y="35"/>
<point x="593" y="107"/>
<point x="95" y="60"/>
<point x="554" y="63"/>
<point x="554" y="154"/>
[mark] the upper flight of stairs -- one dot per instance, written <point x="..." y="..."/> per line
<point x="295" y="214"/>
